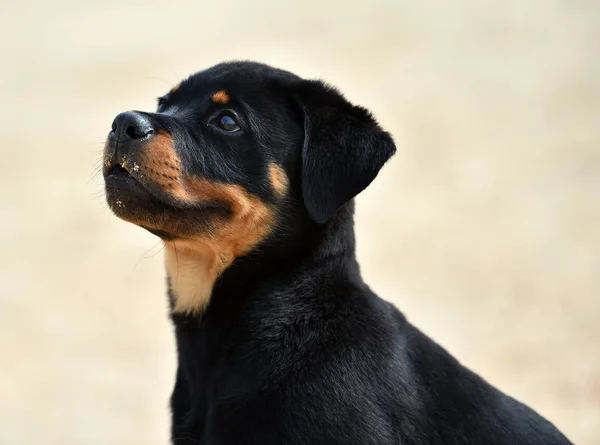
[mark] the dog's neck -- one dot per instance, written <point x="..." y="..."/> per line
<point x="196" y="270"/>
<point x="192" y="268"/>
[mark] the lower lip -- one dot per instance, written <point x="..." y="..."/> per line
<point x="119" y="176"/>
<point x="124" y="181"/>
<point x="121" y="182"/>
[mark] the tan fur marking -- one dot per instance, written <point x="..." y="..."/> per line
<point x="175" y="88"/>
<point x="194" y="264"/>
<point x="162" y="166"/>
<point x="221" y="97"/>
<point x="192" y="268"/>
<point x="279" y="180"/>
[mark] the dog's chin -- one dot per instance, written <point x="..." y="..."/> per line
<point x="121" y="188"/>
<point x="128" y="199"/>
<point x="131" y="201"/>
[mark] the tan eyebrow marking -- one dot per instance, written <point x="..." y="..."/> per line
<point x="175" y="88"/>
<point x="221" y="97"/>
<point x="279" y="180"/>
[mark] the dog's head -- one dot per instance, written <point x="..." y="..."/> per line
<point x="232" y="148"/>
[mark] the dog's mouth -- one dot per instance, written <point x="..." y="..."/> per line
<point x="120" y="174"/>
<point x="128" y="182"/>
<point x="119" y="177"/>
<point x="134" y="198"/>
<point x="118" y="170"/>
<point x="125" y="190"/>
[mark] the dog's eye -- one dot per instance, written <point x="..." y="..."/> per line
<point x="227" y="122"/>
<point x="162" y="105"/>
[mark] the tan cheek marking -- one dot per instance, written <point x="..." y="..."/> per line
<point x="279" y="180"/>
<point x="161" y="165"/>
<point x="194" y="264"/>
<point x="221" y="97"/>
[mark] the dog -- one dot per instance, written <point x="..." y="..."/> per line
<point x="248" y="173"/>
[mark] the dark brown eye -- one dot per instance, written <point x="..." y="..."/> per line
<point x="162" y="105"/>
<point x="227" y="122"/>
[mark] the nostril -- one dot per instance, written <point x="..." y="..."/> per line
<point x="137" y="132"/>
<point x="133" y="132"/>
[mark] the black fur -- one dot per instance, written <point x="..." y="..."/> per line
<point x="343" y="150"/>
<point x="294" y="348"/>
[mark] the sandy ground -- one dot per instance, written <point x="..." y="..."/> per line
<point x="484" y="229"/>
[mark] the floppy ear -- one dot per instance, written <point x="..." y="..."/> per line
<point x="344" y="149"/>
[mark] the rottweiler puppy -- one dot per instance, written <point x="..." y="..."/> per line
<point x="248" y="173"/>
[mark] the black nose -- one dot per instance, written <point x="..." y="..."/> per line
<point x="132" y="125"/>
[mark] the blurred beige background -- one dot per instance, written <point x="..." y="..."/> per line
<point x="484" y="229"/>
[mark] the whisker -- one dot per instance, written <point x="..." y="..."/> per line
<point x="144" y="256"/>
<point x="95" y="174"/>
<point x="98" y="195"/>
<point x="176" y="258"/>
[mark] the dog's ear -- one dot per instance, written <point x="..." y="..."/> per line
<point x="344" y="149"/>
